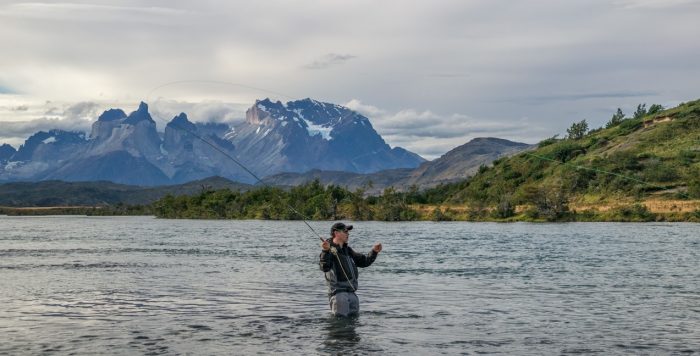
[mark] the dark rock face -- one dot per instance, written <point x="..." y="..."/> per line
<point x="115" y="166"/>
<point x="6" y="152"/>
<point x="276" y="137"/>
<point x="112" y="115"/>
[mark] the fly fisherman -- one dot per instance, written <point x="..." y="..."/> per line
<point x="340" y="262"/>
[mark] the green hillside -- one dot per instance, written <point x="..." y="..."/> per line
<point x="604" y="173"/>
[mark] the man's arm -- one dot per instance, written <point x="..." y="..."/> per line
<point x="363" y="260"/>
<point x="325" y="259"/>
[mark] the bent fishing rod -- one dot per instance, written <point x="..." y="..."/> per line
<point x="333" y="250"/>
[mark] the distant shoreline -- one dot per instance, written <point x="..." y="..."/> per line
<point x="648" y="211"/>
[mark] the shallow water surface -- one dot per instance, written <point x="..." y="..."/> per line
<point x="139" y="285"/>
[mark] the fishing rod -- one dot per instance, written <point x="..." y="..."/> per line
<point x="333" y="250"/>
<point x="226" y="154"/>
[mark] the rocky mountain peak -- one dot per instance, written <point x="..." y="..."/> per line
<point x="42" y="139"/>
<point x="320" y="113"/>
<point x="276" y="137"/>
<point x="181" y="122"/>
<point x="112" y="115"/>
<point x="141" y="114"/>
<point x="6" y="151"/>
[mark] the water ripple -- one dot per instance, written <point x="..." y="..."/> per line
<point x="146" y="286"/>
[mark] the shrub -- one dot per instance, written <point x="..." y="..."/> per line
<point x="694" y="188"/>
<point x="636" y="212"/>
<point x="567" y="150"/>
<point x="577" y="130"/>
<point x="547" y="141"/>
<point x="504" y="208"/>
<point x="616" y="119"/>
<point x="439" y="215"/>
<point x="629" y="125"/>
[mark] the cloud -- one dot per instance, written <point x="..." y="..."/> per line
<point x="23" y="129"/>
<point x="328" y="60"/>
<point x="365" y="109"/>
<point x="85" y="110"/>
<point x="88" y="12"/>
<point x="430" y="134"/>
<point x="479" y="66"/>
<point x="67" y="117"/>
<point x="654" y="4"/>
<point x="584" y="96"/>
<point x="164" y="110"/>
<point x="449" y="75"/>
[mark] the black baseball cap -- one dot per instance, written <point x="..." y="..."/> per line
<point x="340" y="227"/>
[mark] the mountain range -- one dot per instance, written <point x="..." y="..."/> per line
<point x="455" y="165"/>
<point x="275" y="137"/>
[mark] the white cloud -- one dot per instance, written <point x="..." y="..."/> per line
<point x="163" y="111"/>
<point x="328" y="60"/>
<point x="94" y="13"/>
<point x="430" y="134"/>
<point x="655" y="4"/>
<point x="456" y="67"/>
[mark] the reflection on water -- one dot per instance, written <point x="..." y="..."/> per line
<point x="341" y="333"/>
<point x="138" y="285"/>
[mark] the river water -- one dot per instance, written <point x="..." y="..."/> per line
<point x="140" y="285"/>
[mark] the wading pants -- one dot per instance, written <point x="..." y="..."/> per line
<point x="344" y="304"/>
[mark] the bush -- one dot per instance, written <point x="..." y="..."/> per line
<point x="504" y="209"/>
<point x="694" y="188"/>
<point x="577" y="130"/>
<point x="616" y="119"/>
<point x="551" y="202"/>
<point x="636" y="213"/>
<point x="660" y="172"/>
<point x="567" y="150"/>
<point x="548" y="141"/>
<point x="628" y="126"/>
<point x="439" y="215"/>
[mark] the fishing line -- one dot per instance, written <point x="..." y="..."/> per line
<point x="601" y="171"/>
<point x="333" y="250"/>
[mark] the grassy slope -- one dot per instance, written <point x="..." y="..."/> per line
<point x="624" y="164"/>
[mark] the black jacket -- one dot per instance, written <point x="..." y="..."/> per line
<point x="336" y="280"/>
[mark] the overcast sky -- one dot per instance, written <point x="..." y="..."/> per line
<point x="430" y="75"/>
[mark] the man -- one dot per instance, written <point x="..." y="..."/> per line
<point x="340" y="262"/>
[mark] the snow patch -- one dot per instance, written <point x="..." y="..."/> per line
<point x="284" y="123"/>
<point x="315" y="130"/>
<point x="258" y="130"/>
<point x="163" y="151"/>
<point x="50" y="140"/>
<point x="230" y="133"/>
<point x="298" y="112"/>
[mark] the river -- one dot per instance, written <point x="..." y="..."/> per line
<point x="140" y="285"/>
